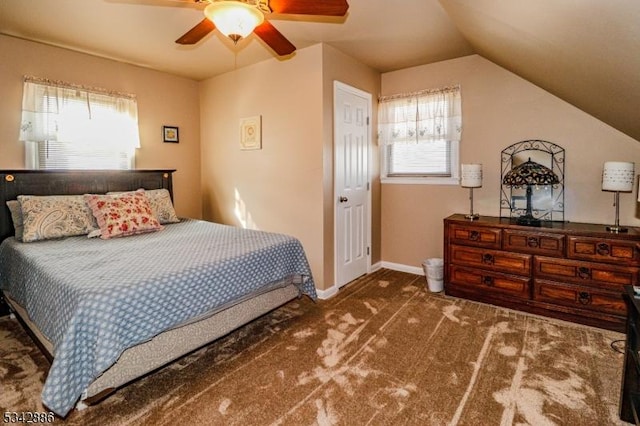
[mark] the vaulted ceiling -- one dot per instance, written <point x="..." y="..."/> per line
<point x="586" y="52"/>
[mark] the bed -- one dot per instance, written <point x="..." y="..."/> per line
<point x="109" y="311"/>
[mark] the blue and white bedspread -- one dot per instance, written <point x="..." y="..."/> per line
<point x="95" y="298"/>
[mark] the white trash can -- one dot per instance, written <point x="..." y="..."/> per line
<point x="434" y="271"/>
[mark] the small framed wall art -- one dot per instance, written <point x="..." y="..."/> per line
<point x="251" y="133"/>
<point x="170" y="134"/>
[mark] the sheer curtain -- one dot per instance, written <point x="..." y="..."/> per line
<point x="69" y="126"/>
<point x="419" y="132"/>
<point x="427" y="115"/>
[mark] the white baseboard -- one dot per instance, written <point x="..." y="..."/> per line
<point x="403" y="268"/>
<point x="332" y="291"/>
<point x="328" y="293"/>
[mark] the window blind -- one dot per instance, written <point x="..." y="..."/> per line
<point x="64" y="155"/>
<point x="70" y="127"/>
<point x="419" y="159"/>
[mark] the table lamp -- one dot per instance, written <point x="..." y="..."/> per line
<point x="527" y="175"/>
<point x="617" y="176"/>
<point x="471" y="177"/>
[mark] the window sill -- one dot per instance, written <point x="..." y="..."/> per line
<point x="420" y="181"/>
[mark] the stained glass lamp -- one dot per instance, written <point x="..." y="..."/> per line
<point x="527" y="175"/>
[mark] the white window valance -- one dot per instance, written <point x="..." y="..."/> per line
<point x="55" y="111"/>
<point x="428" y="115"/>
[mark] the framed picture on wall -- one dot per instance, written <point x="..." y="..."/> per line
<point x="251" y="133"/>
<point x="170" y="134"/>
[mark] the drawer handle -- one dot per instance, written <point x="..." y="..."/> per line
<point x="532" y="242"/>
<point x="474" y="236"/>
<point x="487" y="281"/>
<point x="584" y="298"/>
<point x="584" y="273"/>
<point x="488" y="259"/>
<point x="603" y="249"/>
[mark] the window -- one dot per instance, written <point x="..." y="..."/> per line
<point x="66" y="126"/>
<point x="419" y="135"/>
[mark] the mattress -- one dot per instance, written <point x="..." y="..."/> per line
<point x="93" y="298"/>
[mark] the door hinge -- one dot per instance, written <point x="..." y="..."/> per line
<point x="368" y="251"/>
<point x="367" y="121"/>
<point x="367" y="186"/>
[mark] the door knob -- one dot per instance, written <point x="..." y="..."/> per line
<point x="343" y="199"/>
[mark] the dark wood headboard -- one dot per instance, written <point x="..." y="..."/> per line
<point x="73" y="182"/>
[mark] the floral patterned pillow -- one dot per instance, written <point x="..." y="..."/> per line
<point x="160" y="202"/>
<point x="119" y="215"/>
<point x="55" y="216"/>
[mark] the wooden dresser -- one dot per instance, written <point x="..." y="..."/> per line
<point x="572" y="271"/>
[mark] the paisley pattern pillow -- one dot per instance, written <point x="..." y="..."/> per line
<point x="16" y="218"/>
<point x="160" y="202"/>
<point x="119" y="215"/>
<point x="55" y="216"/>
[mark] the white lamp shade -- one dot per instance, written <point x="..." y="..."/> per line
<point x="618" y="176"/>
<point x="234" y="18"/>
<point x="471" y="175"/>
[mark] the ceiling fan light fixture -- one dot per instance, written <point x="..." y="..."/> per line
<point x="233" y="18"/>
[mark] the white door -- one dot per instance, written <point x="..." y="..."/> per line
<point x="351" y="182"/>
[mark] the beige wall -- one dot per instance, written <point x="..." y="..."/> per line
<point x="163" y="99"/>
<point x="338" y="66"/>
<point x="277" y="188"/>
<point x="287" y="186"/>
<point x="500" y="109"/>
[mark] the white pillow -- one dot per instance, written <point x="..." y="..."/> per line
<point x="16" y="218"/>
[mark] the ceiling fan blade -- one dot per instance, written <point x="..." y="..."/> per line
<point x="274" y="38"/>
<point x="197" y="33"/>
<point x="310" y="7"/>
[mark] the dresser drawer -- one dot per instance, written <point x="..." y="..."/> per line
<point x="478" y="236"/>
<point x="568" y="270"/>
<point x="604" y="250"/>
<point x="533" y="242"/>
<point x="514" y="263"/>
<point x="585" y="273"/>
<point x="580" y="297"/>
<point x="488" y="281"/>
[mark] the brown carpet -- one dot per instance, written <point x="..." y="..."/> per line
<point x="384" y="351"/>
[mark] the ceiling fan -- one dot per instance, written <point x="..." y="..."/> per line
<point x="239" y="18"/>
